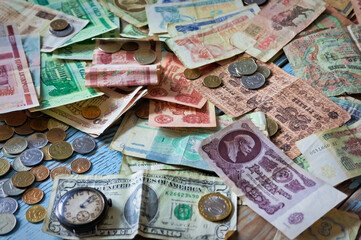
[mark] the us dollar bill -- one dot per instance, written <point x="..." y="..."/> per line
<point x="161" y="205"/>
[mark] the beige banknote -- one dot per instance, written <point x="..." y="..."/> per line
<point x="343" y="6"/>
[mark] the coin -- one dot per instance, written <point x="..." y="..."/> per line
<point x="63" y="33"/>
<point x="41" y="173"/>
<point x="8" y="205"/>
<point x="145" y="56"/>
<point x="59" y="170"/>
<point x="130" y="46"/>
<point x="56" y="135"/>
<point x="265" y="71"/>
<point x="254" y="81"/>
<point x="83" y="145"/>
<point x="23" y="179"/>
<point x="233" y="69"/>
<point x="214" y="207"/>
<point x="143" y="111"/>
<point x="32" y="196"/>
<point x="35" y="214"/>
<point x="61" y="150"/>
<point x="6" y="132"/>
<point x="258" y="2"/>
<point x="4" y="166"/>
<point x="53" y="123"/>
<point x="272" y="127"/>
<point x="39" y="124"/>
<point x="109" y="46"/>
<point x="2" y="194"/>
<point x="33" y="114"/>
<point x="6" y="154"/>
<point x="10" y="190"/>
<point x="19" y="166"/>
<point x="246" y="59"/>
<point x="90" y="112"/>
<point x="14" y="119"/>
<point x="31" y="157"/>
<point x="37" y="140"/>
<point x="192" y="74"/>
<point x="24" y="129"/>
<point x="3" y="117"/>
<point x="246" y="67"/>
<point x="8" y="223"/>
<point x="80" y="165"/>
<point x="59" y="24"/>
<point x="212" y="81"/>
<point x="47" y="156"/>
<point x="15" y="145"/>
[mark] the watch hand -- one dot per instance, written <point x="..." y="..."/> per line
<point x="87" y="202"/>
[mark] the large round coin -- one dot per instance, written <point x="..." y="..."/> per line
<point x="10" y="190"/>
<point x="32" y="196"/>
<point x="254" y="81"/>
<point x="6" y="132"/>
<point x="145" y="56"/>
<point x="214" y="207"/>
<point x="83" y="145"/>
<point x="4" y="166"/>
<point x="8" y="222"/>
<point x="36" y="214"/>
<point x="192" y="74"/>
<point x="31" y="157"/>
<point x="258" y="2"/>
<point x="61" y="150"/>
<point x="8" y="205"/>
<point x="23" y="179"/>
<point x="212" y="81"/>
<point x="37" y="140"/>
<point x="246" y="67"/>
<point x="15" y="145"/>
<point x="19" y="166"/>
<point x="59" y="24"/>
<point x="109" y="46"/>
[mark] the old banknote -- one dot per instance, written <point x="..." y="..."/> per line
<point x="133" y="164"/>
<point x="31" y="18"/>
<point x="161" y="205"/>
<point x="176" y="29"/>
<point x="112" y="104"/>
<point x="166" y="114"/>
<point x="357" y="8"/>
<point x="277" y="24"/>
<point x="163" y="14"/>
<point x="173" y="86"/>
<point x="351" y="105"/>
<point x="355" y="32"/>
<point x="288" y="197"/>
<point x="317" y="59"/>
<point x="210" y="44"/>
<point x="343" y="6"/>
<point x="17" y="90"/>
<point x="62" y="82"/>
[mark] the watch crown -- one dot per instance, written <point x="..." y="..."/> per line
<point x="110" y="202"/>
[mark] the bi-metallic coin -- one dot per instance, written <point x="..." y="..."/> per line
<point x="8" y="205"/>
<point x="214" y="207"/>
<point x="31" y="157"/>
<point x="254" y="81"/>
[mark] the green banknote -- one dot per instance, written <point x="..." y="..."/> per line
<point x="62" y="82"/>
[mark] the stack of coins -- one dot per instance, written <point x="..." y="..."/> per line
<point x="60" y="28"/>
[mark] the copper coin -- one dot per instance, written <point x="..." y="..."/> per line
<point x="33" y="114"/>
<point x="47" y="156"/>
<point x="39" y="124"/>
<point x="59" y="24"/>
<point x="6" y="132"/>
<point x="23" y="179"/>
<point x="90" y="112"/>
<point x="3" y="117"/>
<point x="41" y="173"/>
<point x="15" y="119"/>
<point x="80" y="165"/>
<point x="192" y="74"/>
<point x="143" y="111"/>
<point x="24" y="129"/>
<point x="130" y="46"/>
<point x="56" y="135"/>
<point x="32" y="196"/>
<point x="59" y="170"/>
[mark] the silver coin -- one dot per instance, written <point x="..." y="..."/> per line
<point x="8" y="205"/>
<point x="7" y="223"/>
<point x="37" y="140"/>
<point x="6" y="154"/>
<point x="15" y="145"/>
<point x="110" y="46"/>
<point x="233" y="70"/>
<point x="67" y="31"/>
<point x="254" y="81"/>
<point x="32" y="157"/>
<point x="265" y="71"/>
<point x="2" y="194"/>
<point x="18" y="166"/>
<point x="10" y="190"/>
<point x="246" y="67"/>
<point x="83" y="144"/>
<point x="1" y="145"/>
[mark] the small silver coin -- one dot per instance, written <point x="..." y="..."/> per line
<point x="6" y="154"/>
<point x="32" y="157"/>
<point x="254" y="81"/>
<point x="83" y="144"/>
<point x="37" y="140"/>
<point x="15" y="145"/>
<point x="233" y="69"/>
<point x="2" y="194"/>
<point x="8" y="223"/>
<point x="265" y="71"/>
<point x="63" y="33"/>
<point x="18" y="166"/>
<point x="10" y="190"/>
<point x="8" y="205"/>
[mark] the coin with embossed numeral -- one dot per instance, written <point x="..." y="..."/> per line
<point x="8" y="223"/>
<point x="214" y="206"/>
<point x="80" y="165"/>
<point x="59" y="170"/>
<point x="83" y="144"/>
<point x="61" y="150"/>
<point x="8" y="205"/>
<point x="36" y="214"/>
<point x="41" y="173"/>
<point x="32" y="196"/>
<point x="2" y="194"/>
<point x="10" y="190"/>
<point x="23" y="179"/>
<point x="31" y="157"/>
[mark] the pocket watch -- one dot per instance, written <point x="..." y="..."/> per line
<point x="81" y="209"/>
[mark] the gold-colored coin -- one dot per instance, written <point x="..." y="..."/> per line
<point x="214" y="207"/>
<point x="246" y="59"/>
<point x="192" y="74"/>
<point x="47" y="156"/>
<point x="14" y="119"/>
<point x="58" y="24"/>
<point x="110" y="46"/>
<point x="80" y="165"/>
<point x="6" y="132"/>
<point x="23" y="179"/>
<point x="130" y="46"/>
<point x="145" y="56"/>
<point x="24" y="129"/>
<point x="59" y="170"/>
<point x="56" y="135"/>
<point x="32" y="196"/>
<point x="272" y="127"/>
<point x="35" y="214"/>
<point x="41" y="173"/>
<point x="39" y="124"/>
<point x="212" y="81"/>
<point x="61" y="150"/>
<point x="4" y="166"/>
<point x="53" y="123"/>
<point x="90" y="112"/>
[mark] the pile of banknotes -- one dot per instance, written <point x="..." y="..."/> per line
<point x="218" y="141"/>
